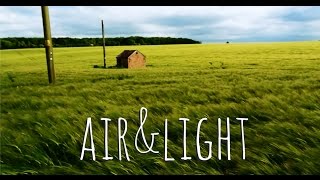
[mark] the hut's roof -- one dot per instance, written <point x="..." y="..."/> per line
<point x="127" y="53"/>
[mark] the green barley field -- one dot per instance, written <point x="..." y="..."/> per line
<point x="275" y="85"/>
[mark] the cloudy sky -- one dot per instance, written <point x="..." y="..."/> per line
<point x="206" y="24"/>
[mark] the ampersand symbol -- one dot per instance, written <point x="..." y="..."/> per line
<point x="140" y="130"/>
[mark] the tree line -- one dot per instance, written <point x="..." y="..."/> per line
<point x="34" y="42"/>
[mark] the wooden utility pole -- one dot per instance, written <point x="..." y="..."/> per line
<point x="104" y="48"/>
<point x="48" y="44"/>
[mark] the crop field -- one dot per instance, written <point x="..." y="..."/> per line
<point x="275" y="85"/>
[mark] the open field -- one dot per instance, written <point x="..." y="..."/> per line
<point x="275" y="85"/>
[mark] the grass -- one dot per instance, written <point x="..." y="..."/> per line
<point x="275" y="85"/>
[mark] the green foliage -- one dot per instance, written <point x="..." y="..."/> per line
<point x="275" y="85"/>
<point x="21" y="42"/>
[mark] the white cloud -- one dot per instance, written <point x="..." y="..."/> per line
<point x="201" y="22"/>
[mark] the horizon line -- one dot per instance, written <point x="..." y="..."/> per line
<point x="201" y="42"/>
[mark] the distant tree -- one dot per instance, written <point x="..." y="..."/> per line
<point x="130" y="41"/>
<point x="19" y="42"/>
<point x="22" y="44"/>
<point x="5" y="44"/>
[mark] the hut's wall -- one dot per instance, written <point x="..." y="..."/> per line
<point x="136" y="60"/>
